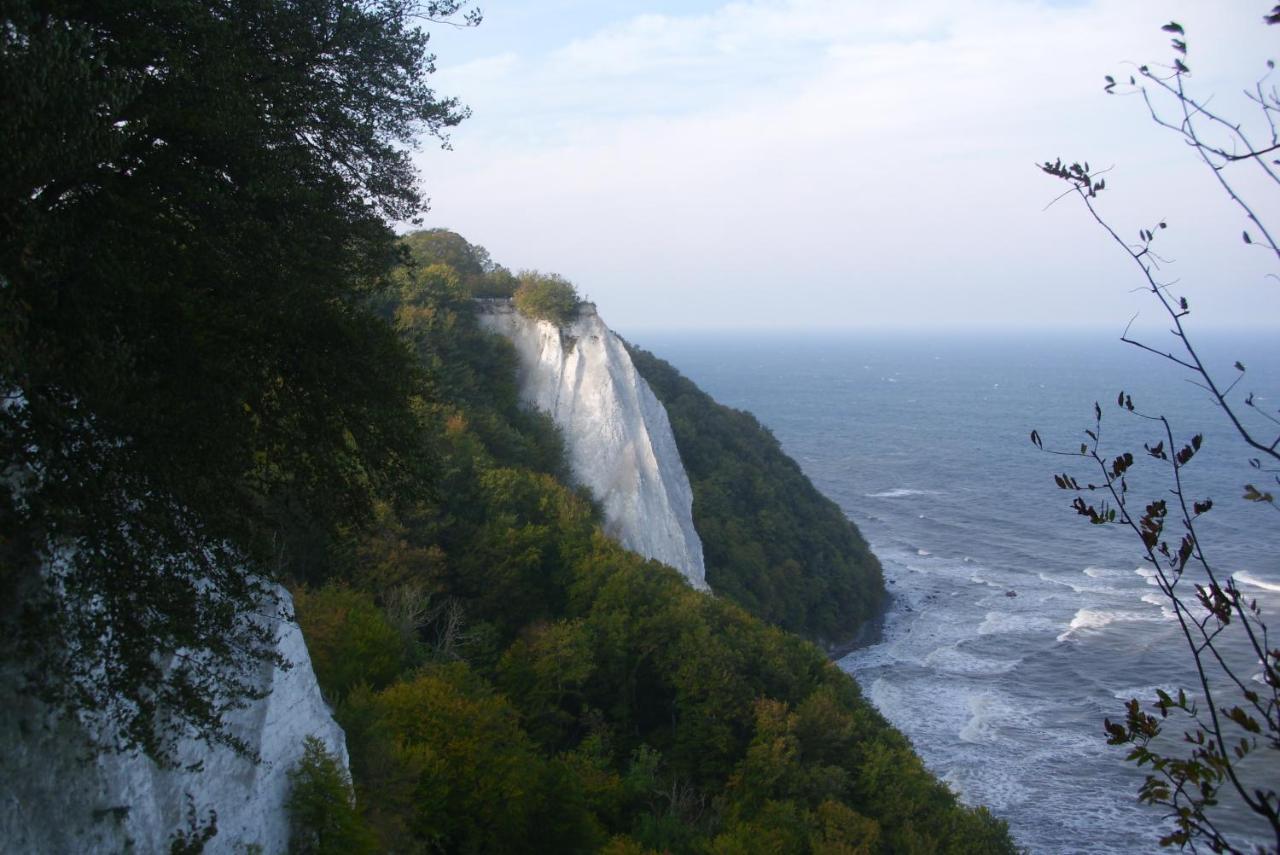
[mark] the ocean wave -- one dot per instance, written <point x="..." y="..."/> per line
<point x="1087" y="619"/>
<point x="950" y="660"/>
<point x="1142" y="693"/>
<point x="1103" y="572"/>
<point x="1002" y="623"/>
<point x="1148" y="575"/>
<point x="1162" y="601"/>
<point x="900" y="493"/>
<point x="1243" y="578"/>
<point x="1080" y="588"/>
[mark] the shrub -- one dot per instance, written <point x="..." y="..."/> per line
<point x="547" y="296"/>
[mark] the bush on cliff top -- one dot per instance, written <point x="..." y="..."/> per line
<point x="547" y="296"/>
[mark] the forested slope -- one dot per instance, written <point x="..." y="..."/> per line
<point x="510" y="679"/>
<point x="773" y="543"/>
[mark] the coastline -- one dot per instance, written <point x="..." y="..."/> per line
<point x="871" y="632"/>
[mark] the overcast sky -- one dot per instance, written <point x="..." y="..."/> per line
<point x="839" y="164"/>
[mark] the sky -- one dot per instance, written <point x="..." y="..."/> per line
<point x="839" y="164"/>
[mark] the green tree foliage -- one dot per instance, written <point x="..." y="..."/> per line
<point x="773" y="543"/>
<point x="547" y="296"/>
<point x="478" y="273"/>
<point x="193" y="203"/>
<point x="596" y="700"/>
<point x="350" y="639"/>
<point x="323" y="819"/>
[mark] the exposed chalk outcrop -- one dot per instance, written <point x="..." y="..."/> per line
<point x="57" y="796"/>
<point x="617" y="434"/>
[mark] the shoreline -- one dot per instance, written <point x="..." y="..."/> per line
<point x="870" y="633"/>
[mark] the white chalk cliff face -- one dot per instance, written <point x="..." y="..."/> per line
<point x="617" y="434"/>
<point x="55" y="799"/>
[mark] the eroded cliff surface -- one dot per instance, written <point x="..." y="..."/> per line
<point x="57" y="795"/>
<point x="616" y="432"/>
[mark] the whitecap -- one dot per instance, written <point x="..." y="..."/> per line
<point x="900" y="493"/>
<point x="999" y="623"/>
<point x="1144" y="694"/>
<point x="950" y="660"/>
<point x="1079" y="588"/>
<point x="1243" y="578"/>
<point x="1148" y="575"/>
<point x="1100" y="572"/>
<point x="1088" y="619"/>
<point x="923" y="552"/>
<point x="1163" y="602"/>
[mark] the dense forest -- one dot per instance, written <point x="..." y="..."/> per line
<point x="773" y="543"/>
<point x="511" y="679"/>
<point x="220" y="368"/>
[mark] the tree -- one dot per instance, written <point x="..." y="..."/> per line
<point x="193" y="209"/>
<point x="1232" y="721"/>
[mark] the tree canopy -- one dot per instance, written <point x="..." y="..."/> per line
<point x="773" y="543"/>
<point x="193" y="206"/>
<point x="557" y="693"/>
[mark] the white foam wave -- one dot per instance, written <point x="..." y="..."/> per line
<point x="950" y="660"/>
<point x="979" y="727"/>
<point x="1243" y="578"/>
<point x="1000" y="623"/>
<point x="1094" y="619"/>
<point x="1142" y="693"/>
<point x="1163" y="602"/>
<point x="1148" y="575"/>
<point x="1078" y="587"/>
<point x="1103" y="572"/>
<point x="923" y="552"/>
<point x="900" y="493"/>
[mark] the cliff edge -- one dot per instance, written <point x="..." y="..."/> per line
<point x="616" y="432"/>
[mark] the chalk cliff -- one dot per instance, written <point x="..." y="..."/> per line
<point x="617" y="434"/>
<point x="54" y="798"/>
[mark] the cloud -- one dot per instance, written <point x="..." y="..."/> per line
<point x="757" y="159"/>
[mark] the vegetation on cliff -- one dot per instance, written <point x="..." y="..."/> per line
<point x="509" y="678"/>
<point x="215" y="374"/>
<point x="773" y="543"/>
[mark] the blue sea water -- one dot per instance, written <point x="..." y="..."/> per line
<point x="1016" y="627"/>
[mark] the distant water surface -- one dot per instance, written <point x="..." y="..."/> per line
<point x="923" y="441"/>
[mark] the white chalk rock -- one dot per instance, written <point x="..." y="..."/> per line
<point x="56" y="796"/>
<point x="617" y="433"/>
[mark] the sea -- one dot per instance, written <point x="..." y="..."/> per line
<point x="1016" y="627"/>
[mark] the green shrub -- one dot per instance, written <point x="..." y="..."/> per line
<point x="547" y="296"/>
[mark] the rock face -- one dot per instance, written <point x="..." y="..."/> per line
<point x="54" y="798"/>
<point x="617" y="434"/>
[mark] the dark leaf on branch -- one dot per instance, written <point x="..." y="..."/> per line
<point x="1181" y="67"/>
<point x="1253" y="494"/>
<point x="1180" y="46"/>
<point x="1173" y="27"/>
<point x="1035" y="439"/>
<point x="1247" y="239"/>
<point x="1239" y="365"/>
<point x="1202" y="507"/>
